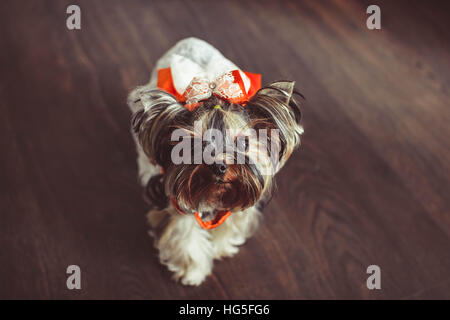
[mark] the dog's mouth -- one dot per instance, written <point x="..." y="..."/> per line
<point x="211" y="215"/>
<point x="212" y="219"/>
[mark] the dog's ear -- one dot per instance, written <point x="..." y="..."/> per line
<point x="154" y="118"/>
<point x="274" y="106"/>
<point x="284" y="91"/>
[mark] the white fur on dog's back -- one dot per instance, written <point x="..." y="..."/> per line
<point x="200" y="53"/>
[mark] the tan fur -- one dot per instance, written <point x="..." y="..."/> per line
<point x="184" y="247"/>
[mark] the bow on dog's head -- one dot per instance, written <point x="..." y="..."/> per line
<point x="219" y="146"/>
<point x="235" y="86"/>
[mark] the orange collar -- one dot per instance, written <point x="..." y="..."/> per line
<point x="217" y="221"/>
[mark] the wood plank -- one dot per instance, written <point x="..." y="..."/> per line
<point x="368" y="186"/>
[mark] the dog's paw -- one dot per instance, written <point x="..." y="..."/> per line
<point x="224" y="249"/>
<point x="195" y="276"/>
<point x="190" y="275"/>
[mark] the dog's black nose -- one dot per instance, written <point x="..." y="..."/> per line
<point x="219" y="169"/>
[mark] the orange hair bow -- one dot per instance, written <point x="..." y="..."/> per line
<point x="229" y="86"/>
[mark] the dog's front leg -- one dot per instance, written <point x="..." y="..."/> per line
<point x="234" y="231"/>
<point x="184" y="247"/>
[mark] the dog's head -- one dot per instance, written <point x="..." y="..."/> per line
<point x="220" y="156"/>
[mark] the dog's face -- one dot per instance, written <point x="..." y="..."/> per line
<point x="221" y="156"/>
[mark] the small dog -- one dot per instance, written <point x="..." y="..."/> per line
<point x="207" y="200"/>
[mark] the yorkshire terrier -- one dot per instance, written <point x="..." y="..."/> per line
<point x="209" y="142"/>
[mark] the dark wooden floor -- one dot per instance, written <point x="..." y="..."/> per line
<point x="370" y="184"/>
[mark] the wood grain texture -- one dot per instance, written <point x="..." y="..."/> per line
<point x="370" y="184"/>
